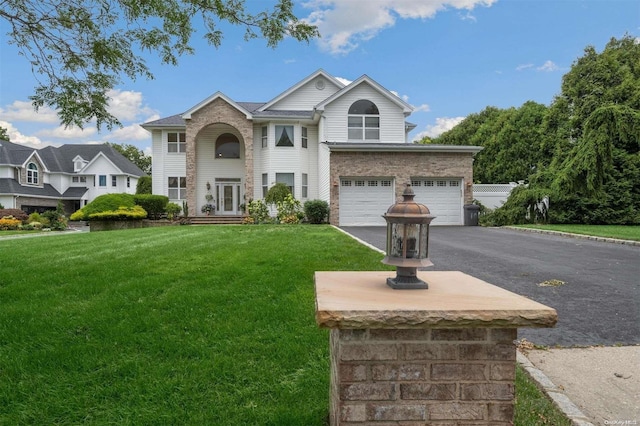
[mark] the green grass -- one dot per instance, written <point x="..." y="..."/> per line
<point x="532" y="406"/>
<point x="175" y="325"/>
<point x="610" y="231"/>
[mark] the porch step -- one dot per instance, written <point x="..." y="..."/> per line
<point x="216" y="220"/>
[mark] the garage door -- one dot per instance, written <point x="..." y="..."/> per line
<point x="443" y="197"/>
<point x="363" y="201"/>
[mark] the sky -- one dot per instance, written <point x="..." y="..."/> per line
<point x="446" y="58"/>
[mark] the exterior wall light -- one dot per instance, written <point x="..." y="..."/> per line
<point x="407" y="241"/>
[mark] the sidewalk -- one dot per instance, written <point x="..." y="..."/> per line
<point x="594" y="385"/>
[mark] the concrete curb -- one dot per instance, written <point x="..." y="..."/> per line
<point x="579" y="236"/>
<point x="558" y="397"/>
<point x="364" y="243"/>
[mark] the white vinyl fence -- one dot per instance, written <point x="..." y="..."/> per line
<point x="492" y="195"/>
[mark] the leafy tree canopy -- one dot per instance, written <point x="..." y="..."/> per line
<point x="79" y="49"/>
<point x="582" y="152"/>
<point x="135" y="155"/>
<point x="4" y="135"/>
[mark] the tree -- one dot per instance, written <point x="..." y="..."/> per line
<point x="79" y="50"/>
<point x="4" y="134"/>
<point x="135" y="155"/>
<point x="145" y="186"/>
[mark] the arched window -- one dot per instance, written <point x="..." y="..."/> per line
<point x="227" y="146"/>
<point x="364" y="121"/>
<point x="32" y="174"/>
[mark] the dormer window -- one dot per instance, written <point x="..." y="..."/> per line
<point x="364" y="121"/>
<point x="32" y="174"/>
<point x="78" y="165"/>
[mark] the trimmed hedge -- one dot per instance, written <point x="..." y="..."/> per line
<point x="122" y="213"/>
<point x="153" y="204"/>
<point x="103" y="203"/>
<point x="316" y="211"/>
<point x="9" y="223"/>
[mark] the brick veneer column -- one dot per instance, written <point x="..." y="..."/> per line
<point x="437" y="375"/>
<point x="442" y="356"/>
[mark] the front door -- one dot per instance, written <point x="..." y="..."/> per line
<point x="228" y="196"/>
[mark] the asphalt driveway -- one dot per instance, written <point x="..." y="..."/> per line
<point x="598" y="304"/>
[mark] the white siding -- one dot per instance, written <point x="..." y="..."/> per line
<point x="324" y="173"/>
<point x="307" y="96"/>
<point x="7" y="172"/>
<point x="7" y="201"/>
<point x="296" y="160"/>
<point x="101" y="166"/>
<point x="392" y="128"/>
<point x="165" y="164"/>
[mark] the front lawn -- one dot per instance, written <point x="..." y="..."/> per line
<point x="176" y="325"/>
<point x="609" y="231"/>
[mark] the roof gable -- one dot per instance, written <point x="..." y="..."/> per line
<point x="407" y="109"/>
<point x="218" y="95"/>
<point x="290" y="91"/>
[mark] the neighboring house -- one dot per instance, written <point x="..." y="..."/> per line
<point x="346" y="144"/>
<point x="36" y="179"/>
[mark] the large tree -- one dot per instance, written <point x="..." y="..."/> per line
<point x="593" y="132"/>
<point x="135" y="155"/>
<point x="80" y="49"/>
<point x="4" y="134"/>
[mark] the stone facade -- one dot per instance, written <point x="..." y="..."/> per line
<point x="216" y="112"/>
<point x="401" y="166"/>
<point x="423" y="376"/>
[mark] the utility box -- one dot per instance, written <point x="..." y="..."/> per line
<point x="471" y="213"/>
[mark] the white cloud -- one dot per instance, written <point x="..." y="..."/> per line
<point x="524" y="67"/>
<point x="23" y="111"/>
<point x="344" y="81"/>
<point x="344" y="24"/>
<point x="127" y="105"/>
<point x="421" y="108"/>
<point x="442" y="125"/>
<point x="70" y="132"/>
<point x="548" y="66"/>
<point x="132" y="132"/>
<point x="16" y="136"/>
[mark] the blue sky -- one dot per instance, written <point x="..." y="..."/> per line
<point x="447" y="58"/>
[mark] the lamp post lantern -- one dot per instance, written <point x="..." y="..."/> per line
<point x="407" y="241"/>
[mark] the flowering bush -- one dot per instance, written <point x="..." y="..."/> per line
<point x="9" y="223"/>
<point x="289" y="210"/>
<point x="258" y="211"/>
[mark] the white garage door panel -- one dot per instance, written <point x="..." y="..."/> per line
<point x="443" y="197"/>
<point x="363" y="201"/>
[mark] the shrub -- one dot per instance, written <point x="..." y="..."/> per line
<point x="9" y="223"/>
<point x="154" y="205"/>
<point x="289" y="210"/>
<point x="144" y="185"/>
<point x="277" y="193"/>
<point x="36" y="217"/>
<point x="122" y="213"/>
<point x="172" y="210"/>
<point x="57" y="219"/>
<point x="316" y="211"/>
<point x="104" y="203"/>
<point x="14" y="213"/>
<point x="31" y="226"/>
<point x="258" y="212"/>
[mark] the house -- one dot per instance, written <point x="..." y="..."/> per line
<point x="36" y="179"/>
<point x="346" y="144"/>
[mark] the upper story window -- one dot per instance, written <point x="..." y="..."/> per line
<point x="176" y="142"/>
<point x="265" y="136"/>
<point x="102" y="180"/>
<point x="33" y="174"/>
<point x="305" y="139"/>
<point x="364" y="121"/>
<point x="284" y="135"/>
<point x="227" y="146"/>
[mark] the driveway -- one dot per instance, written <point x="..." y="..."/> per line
<point x="598" y="304"/>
